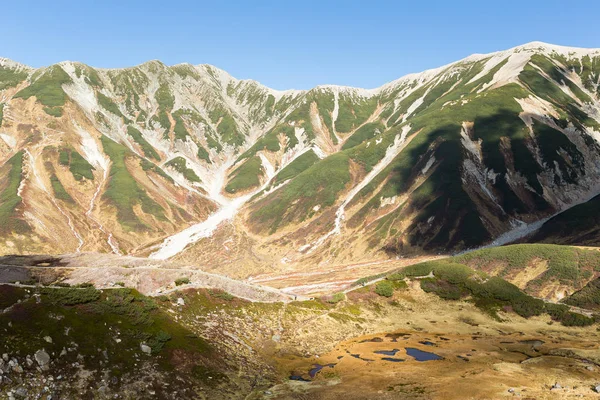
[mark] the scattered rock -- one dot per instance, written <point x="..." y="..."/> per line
<point x="180" y="302"/>
<point x="48" y="339"/>
<point x="145" y="348"/>
<point x="42" y="358"/>
<point x="597" y="389"/>
<point x="556" y="386"/>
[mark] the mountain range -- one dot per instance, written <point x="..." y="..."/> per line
<point x="188" y="163"/>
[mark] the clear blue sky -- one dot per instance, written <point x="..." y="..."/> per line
<point x="288" y="44"/>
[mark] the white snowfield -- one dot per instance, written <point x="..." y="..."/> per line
<point x="176" y="243"/>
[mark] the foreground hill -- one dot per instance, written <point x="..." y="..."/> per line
<point x="151" y="160"/>
<point x="441" y="319"/>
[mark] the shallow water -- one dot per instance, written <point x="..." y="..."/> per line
<point x="318" y="367"/>
<point x="298" y="378"/>
<point x="392" y="359"/>
<point x="421" y="355"/>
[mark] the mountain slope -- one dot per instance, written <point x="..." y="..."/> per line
<point x="476" y="152"/>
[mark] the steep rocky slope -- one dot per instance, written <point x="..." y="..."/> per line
<point x="152" y="160"/>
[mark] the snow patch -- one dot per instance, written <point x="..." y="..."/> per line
<point x="428" y="165"/>
<point x="268" y="167"/>
<point x="9" y="140"/>
<point x="91" y="151"/>
<point x="386" y="201"/>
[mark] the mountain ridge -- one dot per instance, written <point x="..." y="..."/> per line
<point x="533" y="45"/>
<point x="496" y="140"/>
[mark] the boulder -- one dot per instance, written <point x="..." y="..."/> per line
<point x="42" y="358"/>
<point x="145" y="348"/>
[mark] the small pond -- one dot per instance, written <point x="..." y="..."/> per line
<point x="421" y="355"/>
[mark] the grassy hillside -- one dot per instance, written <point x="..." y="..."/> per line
<point x="79" y="167"/>
<point x="246" y="176"/>
<point x="300" y="164"/>
<point x="47" y="89"/>
<point x="10" y="77"/>
<point x="124" y="192"/>
<point x="454" y="279"/>
<point x="180" y="165"/>
<point x="9" y="198"/>
<point x="319" y="185"/>
<point x="566" y="265"/>
<point x="104" y="332"/>
<point x="146" y="147"/>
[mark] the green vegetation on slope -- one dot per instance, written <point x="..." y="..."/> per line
<point x="246" y="176"/>
<point x="180" y="165"/>
<point x="10" y="199"/>
<point x="270" y="141"/>
<point x="300" y="164"/>
<point x="104" y="325"/>
<point x="78" y="165"/>
<point x="353" y="112"/>
<point x="150" y="166"/>
<point x="47" y="88"/>
<point x="504" y="139"/>
<point x="226" y="127"/>
<point x="319" y="185"/>
<point x="165" y="101"/>
<point x="124" y="192"/>
<point x="588" y="297"/>
<point x="109" y="105"/>
<point x="91" y="77"/>
<point x="455" y="281"/>
<point x="10" y="77"/>
<point x="365" y="132"/>
<point x="59" y="190"/>
<point x="1" y="113"/>
<point x="567" y="265"/>
<point x="146" y="147"/>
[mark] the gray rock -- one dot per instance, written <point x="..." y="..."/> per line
<point x="48" y="339"/>
<point x="180" y="302"/>
<point x="556" y="386"/>
<point x="597" y="389"/>
<point x="145" y="348"/>
<point x="42" y="358"/>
